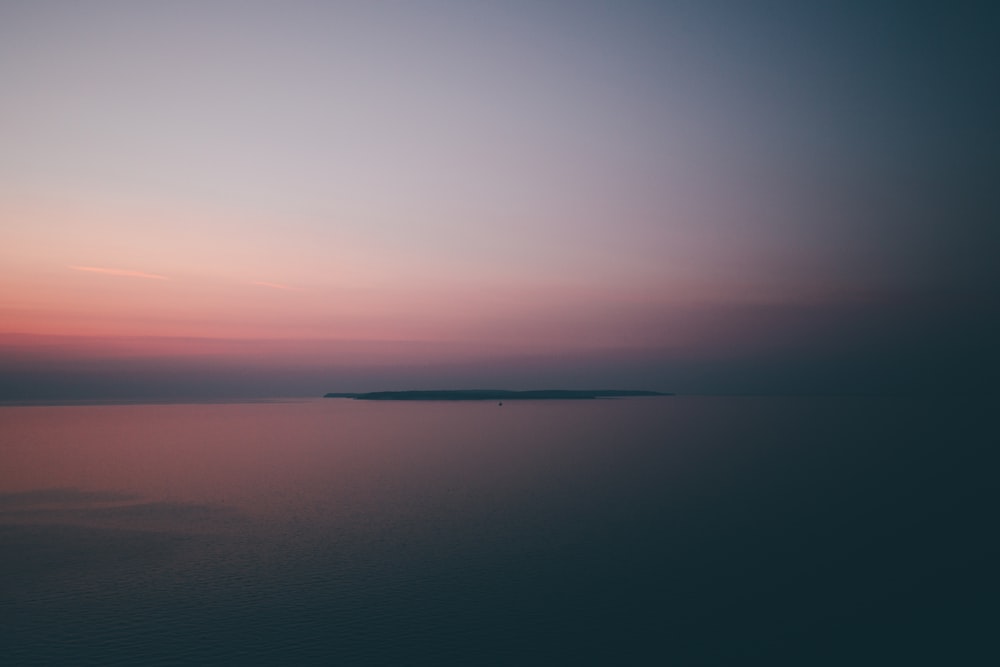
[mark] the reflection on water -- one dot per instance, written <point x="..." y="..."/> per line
<point x="682" y="528"/>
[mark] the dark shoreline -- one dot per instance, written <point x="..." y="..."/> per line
<point x="494" y="394"/>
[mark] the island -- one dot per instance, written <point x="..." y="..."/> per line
<point x="494" y="394"/>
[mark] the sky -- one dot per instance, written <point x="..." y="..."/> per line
<point x="224" y="198"/>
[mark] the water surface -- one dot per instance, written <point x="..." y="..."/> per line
<point x="674" y="530"/>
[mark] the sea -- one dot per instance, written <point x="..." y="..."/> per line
<point x="674" y="530"/>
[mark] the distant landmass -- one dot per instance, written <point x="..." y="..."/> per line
<point x="493" y="394"/>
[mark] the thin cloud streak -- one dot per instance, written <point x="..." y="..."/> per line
<point x="276" y="286"/>
<point x="119" y="272"/>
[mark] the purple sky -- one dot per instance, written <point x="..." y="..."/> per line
<point x="287" y="198"/>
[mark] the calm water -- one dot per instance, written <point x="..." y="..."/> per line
<point x="681" y="530"/>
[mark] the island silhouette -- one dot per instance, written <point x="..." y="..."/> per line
<point x="493" y="394"/>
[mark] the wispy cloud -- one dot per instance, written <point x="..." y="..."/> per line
<point x="275" y="286"/>
<point x="119" y="272"/>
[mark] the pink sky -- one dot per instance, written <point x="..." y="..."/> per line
<point x="366" y="185"/>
